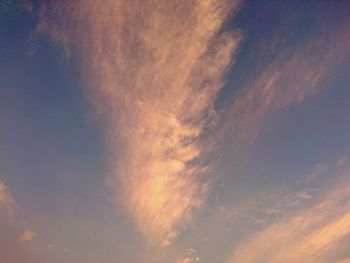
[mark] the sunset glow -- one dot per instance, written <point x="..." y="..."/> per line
<point x="158" y="131"/>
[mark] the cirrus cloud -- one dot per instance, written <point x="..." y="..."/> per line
<point x="315" y="234"/>
<point x="153" y="70"/>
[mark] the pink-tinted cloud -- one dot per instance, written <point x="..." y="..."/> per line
<point x="315" y="234"/>
<point x="5" y="197"/>
<point x="11" y="247"/>
<point x="7" y="203"/>
<point x="188" y="260"/>
<point x="297" y="74"/>
<point x="153" y="70"/>
<point x="28" y="235"/>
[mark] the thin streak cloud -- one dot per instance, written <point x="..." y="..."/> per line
<point x="310" y="235"/>
<point x="297" y="74"/>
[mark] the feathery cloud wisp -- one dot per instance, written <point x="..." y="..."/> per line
<point x="295" y="75"/>
<point x="7" y="203"/>
<point x="308" y="236"/>
<point x="28" y="235"/>
<point x="153" y="69"/>
<point x="5" y="197"/>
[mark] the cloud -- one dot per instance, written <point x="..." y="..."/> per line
<point x="318" y="171"/>
<point x="7" y="203"/>
<point x="315" y="234"/>
<point x="5" y="197"/>
<point x="153" y="70"/>
<point x="11" y="249"/>
<point x="191" y="257"/>
<point x="188" y="260"/>
<point x="185" y="260"/>
<point x="297" y="74"/>
<point x="28" y="235"/>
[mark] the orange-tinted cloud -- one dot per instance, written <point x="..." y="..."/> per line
<point x="7" y="203"/>
<point x="28" y="235"/>
<point x="188" y="260"/>
<point x="11" y="249"/>
<point x="315" y="234"/>
<point x="5" y="197"/>
<point x="153" y="70"/>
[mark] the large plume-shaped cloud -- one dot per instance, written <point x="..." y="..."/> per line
<point x="153" y="69"/>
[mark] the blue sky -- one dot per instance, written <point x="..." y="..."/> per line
<point x="174" y="131"/>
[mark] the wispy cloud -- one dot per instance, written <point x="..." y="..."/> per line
<point x="7" y="203"/>
<point x="188" y="260"/>
<point x="191" y="257"/>
<point x="318" y="171"/>
<point x="298" y="72"/>
<point x="153" y="69"/>
<point x="28" y="235"/>
<point x="5" y="197"/>
<point x="315" y="234"/>
<point x="11" y="249"/>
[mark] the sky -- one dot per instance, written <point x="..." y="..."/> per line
<point x="158" y="131"/>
